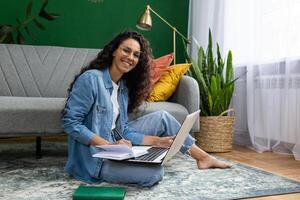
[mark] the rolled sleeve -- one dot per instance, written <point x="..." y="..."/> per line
<point x="78" y="106"/>
<point x="78" y="131"/>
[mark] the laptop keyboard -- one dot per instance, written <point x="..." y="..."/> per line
<point x="152" y="154"/>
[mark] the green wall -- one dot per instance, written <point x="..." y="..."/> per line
<point x="91" y="25"/>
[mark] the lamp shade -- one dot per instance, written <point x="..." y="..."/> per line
<point x="145" y="21"/>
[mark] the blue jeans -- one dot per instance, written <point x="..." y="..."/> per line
<point x="159" y="123"/>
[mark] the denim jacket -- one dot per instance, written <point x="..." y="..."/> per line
<point x="89" y="112"/>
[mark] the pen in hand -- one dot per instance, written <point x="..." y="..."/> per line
<point x="121" y="139"/>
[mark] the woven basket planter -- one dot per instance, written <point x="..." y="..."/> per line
<point x="215" y="133"/>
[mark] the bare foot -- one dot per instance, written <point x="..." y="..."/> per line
<point x="211" y="162"/>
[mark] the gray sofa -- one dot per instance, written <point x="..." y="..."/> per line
<point x="33" y="89"/>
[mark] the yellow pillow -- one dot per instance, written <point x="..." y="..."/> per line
<point x="168" y="82"/>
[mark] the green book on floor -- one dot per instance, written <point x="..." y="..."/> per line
<point x="98" y="192"/>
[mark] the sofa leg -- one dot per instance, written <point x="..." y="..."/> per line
<point x="38" y="152"/>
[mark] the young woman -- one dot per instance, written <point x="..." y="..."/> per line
<point x="100" y="97"/>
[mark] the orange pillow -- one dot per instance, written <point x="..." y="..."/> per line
<point x="158" y="66"/>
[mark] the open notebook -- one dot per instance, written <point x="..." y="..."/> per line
<point x="120" y="152"/>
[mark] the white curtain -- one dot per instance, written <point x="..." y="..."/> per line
<point x="264" y="38"/>
<point x="212" y="12"/>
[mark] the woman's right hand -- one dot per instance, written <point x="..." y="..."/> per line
<point x="123" y="141"/>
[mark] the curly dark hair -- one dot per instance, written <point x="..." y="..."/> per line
<point x="137" y="79"/>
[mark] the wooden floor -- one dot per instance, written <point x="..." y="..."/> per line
<point x="283" y="165"/>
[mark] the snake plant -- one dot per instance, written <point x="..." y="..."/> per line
<point x="215" y="79"/>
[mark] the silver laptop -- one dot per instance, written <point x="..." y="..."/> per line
<point x="160" y="155"/>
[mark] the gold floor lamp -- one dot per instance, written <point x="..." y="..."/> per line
<point x="145" y="23"/>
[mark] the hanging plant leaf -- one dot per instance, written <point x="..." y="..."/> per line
<point x="54" y="16"/>
<point x="2" y="38"/>
<point x="19" y="23"/>
<point x="8" y="39"/>
<point x="39" y="25"/>
<point x="20" y="38"/>
<point x="6" y="34"/>
<point x="48" y="16"/>
<point x="28" y="31"/>
<point x="44" y="5"/>
<point x="5" y="29"/>
<point x="29" y="9"/>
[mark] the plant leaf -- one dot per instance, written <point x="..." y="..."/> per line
<point x="7" y="39"/>
<point x="3" y="37"/>
<point x="210" y="57"/>
<point x="210" y="104"/>
<point x="18" y="21"/>
<point x="48" y="16"/>
<point x="44" y="5"/>
<point x="219" y="57"/>
<point x="228" y="95"/>
<point x="6" y="35"/>
<point x="29" y="9"/>
<point x="28" y="31"/>
<point x="5" y="29"/>
<point x="20" y="38"/>
<point x="186" y="55"/>
<point x="213" y="87"/>
<point x="214" y="91"/>
<point x="200" y="57"/>
<point x="229" y="67"/>
<point x="220" y="66"/>
<point x="39" y="25"/>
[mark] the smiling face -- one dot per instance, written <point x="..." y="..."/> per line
<point x="125" y="58"/>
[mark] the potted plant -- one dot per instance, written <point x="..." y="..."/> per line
<point x="216" y="85"/>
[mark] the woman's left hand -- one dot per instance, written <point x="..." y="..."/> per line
<point x="165" y="141"/>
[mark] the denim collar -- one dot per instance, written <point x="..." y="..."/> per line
<point x="108" y="81"/>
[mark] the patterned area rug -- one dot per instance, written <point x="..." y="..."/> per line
<point x="24" y="177"/>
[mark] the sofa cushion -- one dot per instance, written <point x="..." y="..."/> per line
<point x="168" y="82"/>
<point x="30" y="116"/>
<point x="158" y="66"/>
